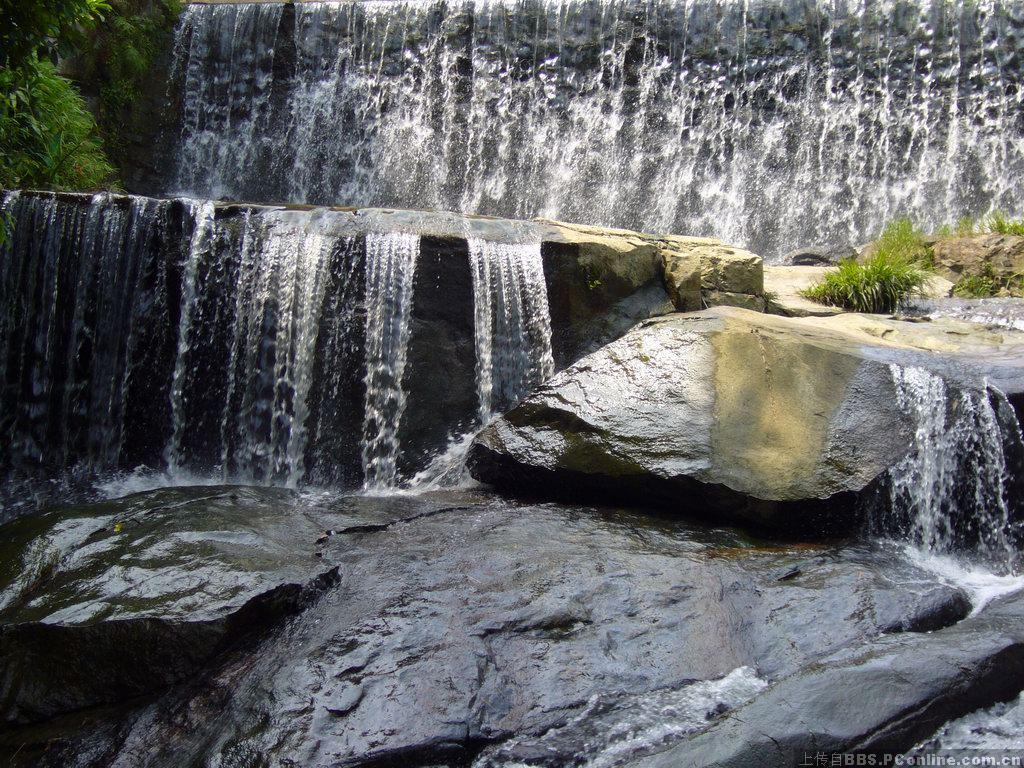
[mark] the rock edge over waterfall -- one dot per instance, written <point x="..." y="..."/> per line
<point x="729" y="414"/>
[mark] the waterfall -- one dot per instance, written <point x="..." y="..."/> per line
<point x="774" y="124"/>
<point x="512" y="341"/>
<point x="953" y="487"/>
<point x="512" y="323"/>
<point x="283" y="264"/>
<point x="248" y="344"/>
<point x="84" y="300"/>
<point x="390" y="268"/>
<point x="204" y="221"/>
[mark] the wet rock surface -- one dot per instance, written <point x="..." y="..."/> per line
<point x="107" y="601"/>
<point x="790" y="424"/>
<point x="417" y="630"/>
<point x="880" y="698"/>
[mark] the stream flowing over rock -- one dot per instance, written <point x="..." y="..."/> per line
<point x="770" y="124"/>
<point x="335" y="630"/>
<point x="790" y="424"/>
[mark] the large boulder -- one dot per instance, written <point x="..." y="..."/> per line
<point x="600" y="282"/>
<point x="1001" y="256"/>
<point x="102" y="603"/>
<point x="879" y="698"/>
<point x="704" y="272"/>
<point x="730" y="414"/>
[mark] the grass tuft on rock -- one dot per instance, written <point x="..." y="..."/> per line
<point x="999" y="223"/>
<point x="902" y="241"/>
<point x="995" y="223"/>
<point x="899" y="266"/>
<point x="878" y="286"/>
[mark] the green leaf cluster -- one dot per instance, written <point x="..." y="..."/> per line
<point x="48" y="138"/>
<point x="120" y="57"/>
<point x="30" y="31"/>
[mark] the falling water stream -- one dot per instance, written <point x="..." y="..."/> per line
<point x="952" y="493"/>
<point x="254" y="345"/>
<point x="772" y="124"/>
<point x="390" y="266"/>
<point x="512" y="323"/>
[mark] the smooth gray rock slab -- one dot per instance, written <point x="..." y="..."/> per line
<point x="446" y="623"/>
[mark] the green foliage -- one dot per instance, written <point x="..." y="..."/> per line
<point x="964" y="227"/>
<point x="121" y="55"/>
<point x="901" y="240"/>
<point x="978" y="286"/>
<point x="988" y="283"/>
<point x="47" y="136"/>
<point x="998" y="223"/>
<point x="879" y="285"/>
<point x="43" y="30"/>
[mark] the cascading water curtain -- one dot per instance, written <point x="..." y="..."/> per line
<point x="251" y="345"/>
<point x="390" y="270"/>
<point x="952" y="489"/>
<point x="250" y="330"/>
<point x="86" y="312"/>
<point x="512" y="323"/>
<point x="773" y="124"/>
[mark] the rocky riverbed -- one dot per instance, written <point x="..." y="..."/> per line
<point x="213" y="625"/>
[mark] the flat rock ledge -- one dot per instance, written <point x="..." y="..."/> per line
<point x="789" y="424"/>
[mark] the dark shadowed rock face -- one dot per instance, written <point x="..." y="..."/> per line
<point x="415" y="629"/>
<point x="117" y="600"/>
<point x="790" y="424"/>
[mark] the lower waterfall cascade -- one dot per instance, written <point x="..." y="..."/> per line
<point x="293" y="339"/>
<point x="773" y="124"/>
<point x="953" y="490"/>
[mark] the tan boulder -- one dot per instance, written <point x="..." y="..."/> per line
<point x="1002" y="256"/>
<point x="788" y="423"/>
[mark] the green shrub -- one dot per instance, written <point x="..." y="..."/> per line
<point x="47" y="136"/>
<point x="879" y="285"/>
<point x="964" y="227"/>
<point x="979" y="286"/>
<point x="34" y="31"/>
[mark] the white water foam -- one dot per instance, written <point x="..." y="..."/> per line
<point x="953" y="485"/>
<point x="773" y="124"/>
<point x="978" y="581"/>
<point x="1000" y="727"/>
<point x="615" y="731"/>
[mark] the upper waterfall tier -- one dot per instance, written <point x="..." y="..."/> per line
<point x="773" y="123"/>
